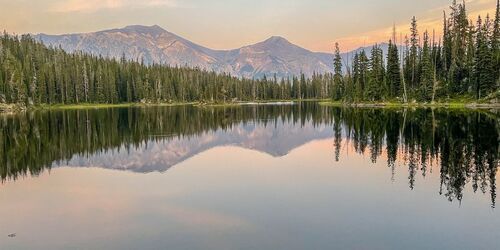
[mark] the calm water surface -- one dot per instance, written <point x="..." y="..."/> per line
<point x="255" y="177"/>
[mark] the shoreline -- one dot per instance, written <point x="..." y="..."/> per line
<point x="15" y="108"/>
<point x="448" y="105"/>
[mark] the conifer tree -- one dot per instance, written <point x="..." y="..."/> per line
<point x="446" y="55"/>
<point x="458" y="31"/>
<point x="484" y="71"/>
<point x="427" y="72"/>
<point x="414" y="49"/>
<point x="393" y="75"/>
<point x="495" y="43"/>
<point x="471" y="53"/>
<point x="360" y="74"/>
<point x="376" y="75"/>
<point x="337" y="74"/>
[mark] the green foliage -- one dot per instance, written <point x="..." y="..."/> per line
<point x="376" y="75"/>
<point x="484" y="61"/>
<point x="413" y="60"/>
<point x="427" y="72"/>
<point x="339" y="87"/>
<point x="393" y="76"/>
<point x="495" y="44"/>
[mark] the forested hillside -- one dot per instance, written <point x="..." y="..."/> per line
<point x="153" y="44"/>
<point x="31" y="73"/>
<point x="464" y="63"/>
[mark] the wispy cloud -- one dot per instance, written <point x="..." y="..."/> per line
<point x="96" y="5"/>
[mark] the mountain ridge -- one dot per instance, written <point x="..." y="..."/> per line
<point x="154" y="44"/>
<point x="159" y="156"/>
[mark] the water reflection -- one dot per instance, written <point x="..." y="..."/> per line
<point x="461" y="145"/>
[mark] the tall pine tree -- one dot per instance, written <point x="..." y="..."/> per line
<point x="338" y="88"/>
<point x="393" y="74"/>
<point x="427" y="72"/>
<point x="484" y="71"/>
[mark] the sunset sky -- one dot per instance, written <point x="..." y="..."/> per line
<point x="228" y="24"/>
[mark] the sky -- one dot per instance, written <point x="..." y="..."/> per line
<point x="229" y="24"/>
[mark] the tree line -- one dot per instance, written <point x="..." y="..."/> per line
<point x="464" y="62"/>
<point x="31" y="74"/>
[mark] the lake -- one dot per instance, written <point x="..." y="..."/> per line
<point x="300" y="176"/>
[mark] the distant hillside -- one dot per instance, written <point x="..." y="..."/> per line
<point x="153" y="44"/>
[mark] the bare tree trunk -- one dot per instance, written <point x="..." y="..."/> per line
<point x="405" y="96"/>
<point x="85" y="83"/>
<point x="435" y="68"/>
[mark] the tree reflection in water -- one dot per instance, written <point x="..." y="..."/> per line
<point x="463" y="144"/>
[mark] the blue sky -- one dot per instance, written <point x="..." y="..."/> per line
<point x="226" y="24"/>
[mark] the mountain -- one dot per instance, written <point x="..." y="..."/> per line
<point x="277" y="140"/>
<point x="276" y="55"/>
<point x="153" y="44"/>
<point x="150" y="44"/>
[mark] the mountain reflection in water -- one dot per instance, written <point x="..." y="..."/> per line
<point x="461" y="145"/>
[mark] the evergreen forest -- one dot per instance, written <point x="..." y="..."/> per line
<point x="464" y="63"/>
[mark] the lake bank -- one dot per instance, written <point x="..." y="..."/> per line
<point x="14" y="108"/>
<point x="459" y="105"/>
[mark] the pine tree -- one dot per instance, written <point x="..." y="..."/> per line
<point x="458" y="32"/>
<point x="376" y="75"/>
<point x="437" y="64"/>
<point x="446" y="55"/>
<point x="414" y="49"/>
<point x="393" y="71"/>
<point x="495" y="43"/>
<point x="484" y="71"/>
<point x="471" y="53"/>
<point x="357" y="77"/>
<point x="363" y="74"/>
<point x="337" y="74"/>
<point x="427" y="72"/>
<point x="303" y="86"/>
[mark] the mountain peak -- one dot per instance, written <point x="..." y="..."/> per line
<point x="154" y="29"/>
<point x="276" y="39"/>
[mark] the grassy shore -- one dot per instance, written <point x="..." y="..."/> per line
<point x="456" y="104"/>
<point x="257" y="102"/>
<point x="103" y="106"/>
<point x="12" y="108"/>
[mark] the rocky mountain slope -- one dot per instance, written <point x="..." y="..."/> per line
<point x="153" y="44"/>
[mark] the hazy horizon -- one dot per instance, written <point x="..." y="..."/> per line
<point x="313" y="26"/>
